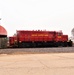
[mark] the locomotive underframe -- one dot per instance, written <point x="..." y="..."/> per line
<point x="31" y="44"/>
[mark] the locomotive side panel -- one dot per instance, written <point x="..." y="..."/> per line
<point x="35" y="36"/>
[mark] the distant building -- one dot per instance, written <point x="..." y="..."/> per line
<point x="3" y="37"/>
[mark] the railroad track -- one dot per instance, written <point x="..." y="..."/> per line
<point x="37" y="50"/>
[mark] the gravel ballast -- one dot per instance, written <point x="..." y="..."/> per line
<point x="37" y="50"/>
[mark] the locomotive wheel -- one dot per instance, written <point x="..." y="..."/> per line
<point x="65" y="44"/>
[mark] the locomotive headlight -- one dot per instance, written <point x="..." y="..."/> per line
<point x="20" y="41"/>
<point x="15" y="40"/>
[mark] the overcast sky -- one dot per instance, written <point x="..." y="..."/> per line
<point x="37" y="15"/>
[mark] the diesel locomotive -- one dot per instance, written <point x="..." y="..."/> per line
<point x="39" y="38"/>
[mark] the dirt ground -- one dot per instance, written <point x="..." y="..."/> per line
<point x="37" y="64"/>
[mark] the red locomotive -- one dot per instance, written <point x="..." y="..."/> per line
<point x="28" y="38"/>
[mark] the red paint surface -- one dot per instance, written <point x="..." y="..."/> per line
<point x="35" y="35"/>
<point x="3" y="31"/>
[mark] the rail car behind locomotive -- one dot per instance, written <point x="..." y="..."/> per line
<point x="28" y="38"/>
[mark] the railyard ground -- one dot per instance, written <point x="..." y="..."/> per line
<point x="37" y="61"/>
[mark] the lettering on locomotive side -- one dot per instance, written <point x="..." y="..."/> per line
<point x="34" y="34"/>
<point x="59" y="36"/>
<point x="46" y="35"/>
<point x="40" y="35"/>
